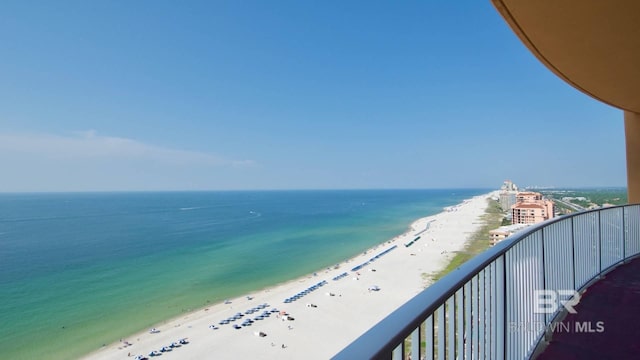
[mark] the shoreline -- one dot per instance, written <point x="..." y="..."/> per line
<point x="327" y="299"/>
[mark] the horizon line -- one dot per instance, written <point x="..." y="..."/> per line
<point x="297" y="189"/>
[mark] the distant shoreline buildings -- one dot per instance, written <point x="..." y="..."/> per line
<point x="531" y="208"/>
<point x="524" y="208"/>
<point x="508" y="193"/>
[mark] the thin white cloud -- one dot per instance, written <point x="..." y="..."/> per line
<point x="88" y="145"/>
<point x="87" y="161"/>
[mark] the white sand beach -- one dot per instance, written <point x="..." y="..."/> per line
<point x="326" y="319"/>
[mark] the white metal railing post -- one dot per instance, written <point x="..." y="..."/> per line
<point x="415" y="344"/>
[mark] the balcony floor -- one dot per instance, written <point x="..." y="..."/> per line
<point x="614" y="301"/>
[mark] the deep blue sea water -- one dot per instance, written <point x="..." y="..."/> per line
<point x="78" y="270"/>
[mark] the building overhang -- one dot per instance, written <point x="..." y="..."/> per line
<point x="594" y="45"/>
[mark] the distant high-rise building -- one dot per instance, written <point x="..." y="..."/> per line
<point x="508" y="185"/>
<point x="528" y="197"/>
<point x="507" y="199"/>
<point x="508" y="192"/>
<point x="531" y="208"/>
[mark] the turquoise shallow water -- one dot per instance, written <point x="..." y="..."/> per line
<point x="84" y="269"/>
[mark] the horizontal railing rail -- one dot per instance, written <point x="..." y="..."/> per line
<point x="499" y="304"/>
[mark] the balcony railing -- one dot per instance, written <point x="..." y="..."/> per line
<point x="492" y="306"/>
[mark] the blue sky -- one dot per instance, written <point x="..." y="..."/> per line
<point x="165" y="95"/>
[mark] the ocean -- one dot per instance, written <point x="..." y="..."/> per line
<point x="78" y="270"/>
